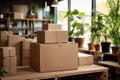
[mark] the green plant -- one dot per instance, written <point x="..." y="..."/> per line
<point x="75" y="17"/>
<point x="114" y="21"/>
<point x="96" y="28"/>
<point x="2" y="68"/>
<point x="34" y="8"/>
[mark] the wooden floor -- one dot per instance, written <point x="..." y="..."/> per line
<point x="27" y="73"/>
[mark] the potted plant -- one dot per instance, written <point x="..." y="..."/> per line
<point x="114" y="23"/>
<point x="97" y="26"/>
<point x="77" y="25"/>
<point x="33" y="11"/>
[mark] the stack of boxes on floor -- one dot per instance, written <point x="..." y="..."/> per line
<point x="52" y="52"/>
<point x="9" y="59"/>
<point x="26" y="52"/>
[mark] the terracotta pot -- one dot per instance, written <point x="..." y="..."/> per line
<point x="115" y="49"/>
<point x="91" y="46"/>
<point x="97" y="47"/>
<point x="80" y="42"/>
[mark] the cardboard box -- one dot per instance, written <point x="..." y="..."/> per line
<point x="26" y="43"/>
<point x="53" y="27"/>
<point x="25" y="61"/>
<point x="52" y="36"/>
<point x="13" y="65"/>
<point x="13" y="40"/>
<point x="7" y="51"/>
<point x="9" y="59"/>
<point x="3" y="37"/>
<point x="25" y="53"/>
<point x="19" y="8"/>
<point x="19" y="59"/>
<point x="53" y="57"/>
<point x="17" y="15"/>
<point x="85" y="59"/>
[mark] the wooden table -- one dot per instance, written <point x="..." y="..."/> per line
<point x="29" y="74"/>
<point x="114" y="66"/>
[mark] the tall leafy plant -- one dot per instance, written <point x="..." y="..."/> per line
<point x="114" y="21"/>
<point x="75" y="17"/>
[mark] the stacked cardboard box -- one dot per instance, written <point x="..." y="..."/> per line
<point x="15" y="41"/>
<point x="9" y="59"/>
<point x="3" y="37"/>
<point x="85" y="59"/>
<point x="51" y="27"/>
<point x="52" y="52"/>
<point x="26" y="51"/>
<point x="21" y="10"/>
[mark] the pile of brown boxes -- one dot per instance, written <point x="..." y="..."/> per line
<point x="15" y="41"/>
<point x="26" y="52"/>
<point x="52" y="52"/>
<point x="9" y="59"/>
<point x="3" y="37"/>
<point x="19" y="11"/>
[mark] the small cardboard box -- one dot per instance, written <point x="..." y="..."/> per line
<point x="7" y="51"/>
<point x="17" y="15"/>
<point x="52" y="36"/>
<point x="19" y="8"/>
<point x="53" y="27"/>
<point x="13" y="40"/>
<point x="53" y="57"/>
<point x="3" y="37"/>
<point x="85" y="59"/>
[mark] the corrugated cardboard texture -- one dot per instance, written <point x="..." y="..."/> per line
<point x="53" y="57"/>
<point x="25" y="61"/>
<point x="53" y="27"/>
<point x="3" y="37"/>
<point x="85" y="59"/>
<point x="52" y="36"/>
<point x="18" y="15"/>
<point x="16" y="42"/>
<point x="26" y="43"/>
<point x="7" y="51"/>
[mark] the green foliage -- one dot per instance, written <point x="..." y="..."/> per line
<point x="2" y="68"/>
<point x="75" y="17"/>
<point x="35" y="8"/>
<point x="96" y="28"/>
<point x="114" y="21"/>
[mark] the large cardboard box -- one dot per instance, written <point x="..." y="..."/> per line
<point x="9" y="59"/>
<point x="26" y="61"/>
<point x="53" y="57"/>
<point x="26" y="43"/>
<point x="26" y="51"/>
<point x="51" y="27"/>
<point x="3" y="37"/>
<point x="15" y="41"/>
<point x="85" y="59"/>
<point x="52" y="36"/>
